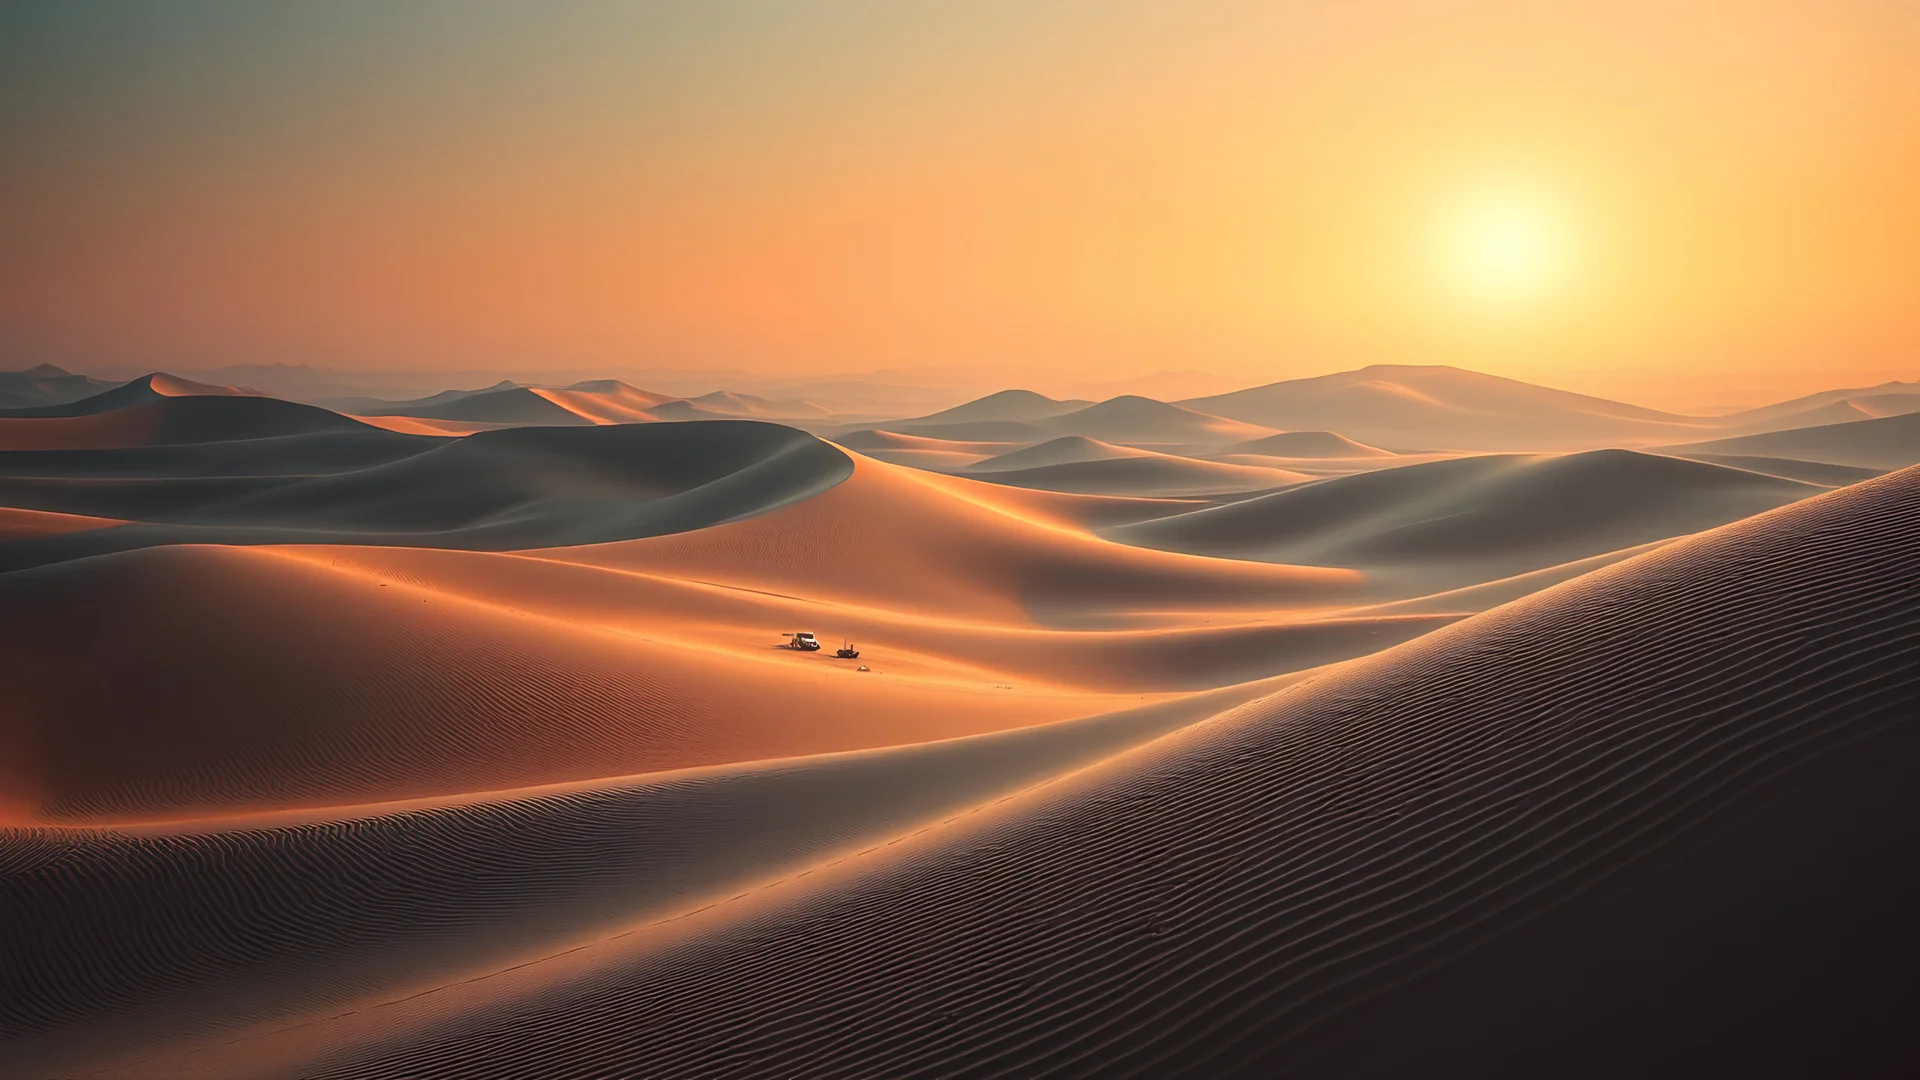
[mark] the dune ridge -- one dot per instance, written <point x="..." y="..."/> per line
<point x="1489" y="515"/>
<point x="1891" y="442"/>
<point x="492" y="490"/>
<point x="1689" y="762"/>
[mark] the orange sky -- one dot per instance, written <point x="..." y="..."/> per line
<point x="1252" y="189"/>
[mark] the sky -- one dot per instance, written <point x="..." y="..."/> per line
<point x="1609" y="195"/>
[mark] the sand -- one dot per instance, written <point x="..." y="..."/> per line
<point x="439" y="747"/>
<point x="1477" y="518"/>
<point x="1883" y="443"/>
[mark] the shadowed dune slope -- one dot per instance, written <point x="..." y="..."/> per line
<point x="1886" y="399"/>
<point x="493" y="490"/>
<point x="1810" y="472"/>
<point x="160" y="420"/>
<point x="144" y="933"/>
<point x="1061" y="451"/>
<point x="44" y="385"/>
<point x="1149" y="474"/>
<point x="516" y="405"/>
<point x="1000" y="431"/>
<point x="1891" y="442"/>
<point x="1005" y="405"/>
<point x="140" y="391"/>
<point x="1653" y="821"/>
<point x="1511" y="512"/>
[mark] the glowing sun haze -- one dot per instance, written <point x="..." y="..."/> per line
<point x="1256" y="189"/>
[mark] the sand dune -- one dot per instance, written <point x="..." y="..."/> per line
<point x="1495" y="515"/>
<point x="494" y="490"/>
<point x="580" y="860"/>
<point x="17" y="524"/>
<point x="1886" y="443"/>
<point x="730" y="403"/>
<point x="1811" y="472"/>
<point x="1018" y="405"/>
<point x="957" y="548"/>
<point x="1066" y="449"/>
<point x="1829" y="406"/>
<point x="518" y="405"/>
<point x="996" y="431"/>
<point x="160" y="420"/>
<point x="1692" y="763"/>
<point x="1138" y="420"/>
<point x="919" y="451"/>
<point x="45" y="384"/>
<point x="378" y="689"/>
<point x="442" y="746"/>
<point x="1308" y="444"/>
<point x="867" y="440"/>
<point x="1137" y="472"/>
<point x="1406" y="408"/>
<point x="420" y="425"/>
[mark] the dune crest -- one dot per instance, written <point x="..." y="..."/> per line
<point x="1686" y="763"/>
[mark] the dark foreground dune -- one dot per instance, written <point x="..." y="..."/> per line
<point x="1652" y="821"/>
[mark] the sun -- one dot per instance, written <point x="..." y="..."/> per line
<point x="1503" y="251"/>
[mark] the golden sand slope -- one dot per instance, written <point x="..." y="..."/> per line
<point x="16" y="524"/>
<point x="1693" y="764"/>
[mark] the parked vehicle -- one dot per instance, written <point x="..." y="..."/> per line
<point x="804" y="642"/>
<point x="847" y="652"/>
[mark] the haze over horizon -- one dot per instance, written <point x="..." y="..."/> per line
<point x="1673" y="204"/>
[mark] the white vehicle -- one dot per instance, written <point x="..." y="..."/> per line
<point x="804" y="642"/>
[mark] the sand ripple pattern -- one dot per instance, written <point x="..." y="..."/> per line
<point x="1657" y="819"/>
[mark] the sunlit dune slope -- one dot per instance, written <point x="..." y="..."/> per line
<point x="892" y="537"/>
<point x="867" y="440"/>
<point x="1495" y="515"/>
<point x="16" y="523"/>
<point x="242" y="678"/>
<point x="419" y="425"/>
<point x="515" y="405"/>
<point x="140" y="391"/>
<point x="1694" y="763"/>
<point x="1891" y="442"/>
<point x="1138" y="420"/>
<point x="607" y="401"/>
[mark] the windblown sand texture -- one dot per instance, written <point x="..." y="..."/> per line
<point x="459" y="741"/>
